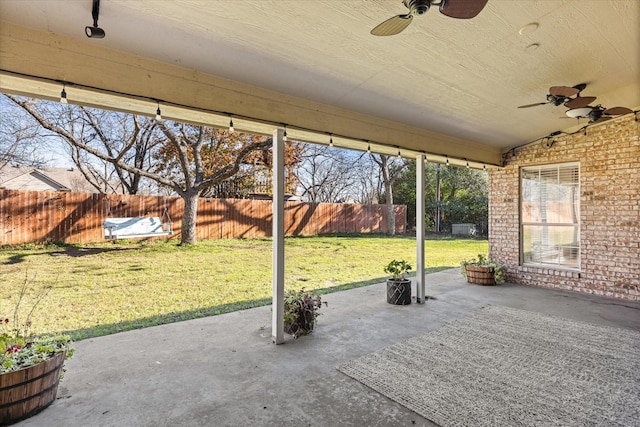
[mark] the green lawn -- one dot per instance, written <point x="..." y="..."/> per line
<point x="104" y="288"/>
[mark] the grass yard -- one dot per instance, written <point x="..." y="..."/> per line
<point x="104" y="288"/>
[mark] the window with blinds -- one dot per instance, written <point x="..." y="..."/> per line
<point x="549" y="215"/>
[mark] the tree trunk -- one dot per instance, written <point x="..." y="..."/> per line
<point x="189" y="216"/>
<point x="391" y="213"/>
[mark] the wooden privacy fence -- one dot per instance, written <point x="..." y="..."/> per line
<point x="37" y="217"/>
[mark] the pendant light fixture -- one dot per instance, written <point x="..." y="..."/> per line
<point x="330" y="140"/>
<point x="231" y="128"/>
<point x="63" y="95"/>
<point x="158" y="113"/>
<point x="95" y="32"/>
<point x="284" y="136"/>
<point x="369" y="149"/>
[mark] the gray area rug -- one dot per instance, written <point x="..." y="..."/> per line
<point x="506" y="367"/>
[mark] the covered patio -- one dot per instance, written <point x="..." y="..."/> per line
<point x="443" y="91"/>
<point x="224" y="371"/>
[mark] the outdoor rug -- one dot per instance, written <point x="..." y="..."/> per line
<point x="506" y="367"/>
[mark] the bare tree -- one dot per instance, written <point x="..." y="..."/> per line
<point x="113" y="132"/>
<point x="183" y="147"/>
<point x="18" y="139"/>
<point x="369" y="185"/>
<point x="327" y="174"/>
<point x="390" y="169"/>
<point x="106" y="131"/>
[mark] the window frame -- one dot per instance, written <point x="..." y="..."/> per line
<point x="575" y="247"/>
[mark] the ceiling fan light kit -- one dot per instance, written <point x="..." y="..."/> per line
<point x="459" y="9"/>
<point x="578" y="112"/>
<point x="598" y="113"/>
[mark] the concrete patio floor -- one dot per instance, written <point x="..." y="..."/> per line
<point x="224" y="370"/>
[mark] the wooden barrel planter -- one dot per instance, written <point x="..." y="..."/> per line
<point x="480" y="275"/>
<point x="26" y="392"/>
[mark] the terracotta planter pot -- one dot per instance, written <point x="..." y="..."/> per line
<point x="28" y="391"/>
<point x="480" y="275"/>
<point x="399" y="292"/>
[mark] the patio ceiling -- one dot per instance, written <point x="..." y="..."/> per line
<point x="443" y="86"/>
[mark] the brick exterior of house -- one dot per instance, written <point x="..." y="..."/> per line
<point x="609" y="158"/>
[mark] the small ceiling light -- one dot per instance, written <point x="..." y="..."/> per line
<point x="95" y="32"/>
<point x="63" y="95"/>
<point x="158" y="113"/>
<point x="467" y="163"/>
<point x="529" y="28"/>
<point x="369" y="149"/>
<point x="484" y="167"/>
<point x="231" y="128"/>
<point x="284" y="137"/>
<point x="330" y="140"/>
<point x="532" y="47"/>
<point x="447" y="156"/>
<point x="399" y="154"/>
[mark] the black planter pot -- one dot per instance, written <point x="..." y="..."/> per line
<point x="399" y="291"/>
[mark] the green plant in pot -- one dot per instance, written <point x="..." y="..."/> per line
<point x="301" y="312"/>
<point x="482" y="271"/>
<point x="30" y="366"/>
<point x="398" y="287"/>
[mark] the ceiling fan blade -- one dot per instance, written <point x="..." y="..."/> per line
<point x="393" y="25"/>
<point x="563" y="91"/>
<point x="618" y="111"/>
<point x="462" y="9"/>
<point x="533" y="105"/>
<point x="579" y="102"/>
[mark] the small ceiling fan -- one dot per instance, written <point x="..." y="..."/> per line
<point x="597" y="113"/>
<point x="460" y="9"/>
<point x="563" y="95"/>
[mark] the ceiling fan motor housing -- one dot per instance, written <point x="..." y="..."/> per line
<point x="595" y="114"/>
<point x="555" y="100"/>
<point x="417" y="7"/>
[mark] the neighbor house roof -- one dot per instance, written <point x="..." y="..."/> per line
<point x="46" y="179"/>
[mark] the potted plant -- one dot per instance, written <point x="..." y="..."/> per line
<point x="30" y="366"/>
<point x="301" y="312"/>
<point x="398" y="287"/>
<point x="482" y="271"/>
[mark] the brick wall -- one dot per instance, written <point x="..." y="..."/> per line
<point x="609" y="158"/>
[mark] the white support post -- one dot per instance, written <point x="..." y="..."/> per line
<point x="277" y="320"/>
<point x="420" y="219"/>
